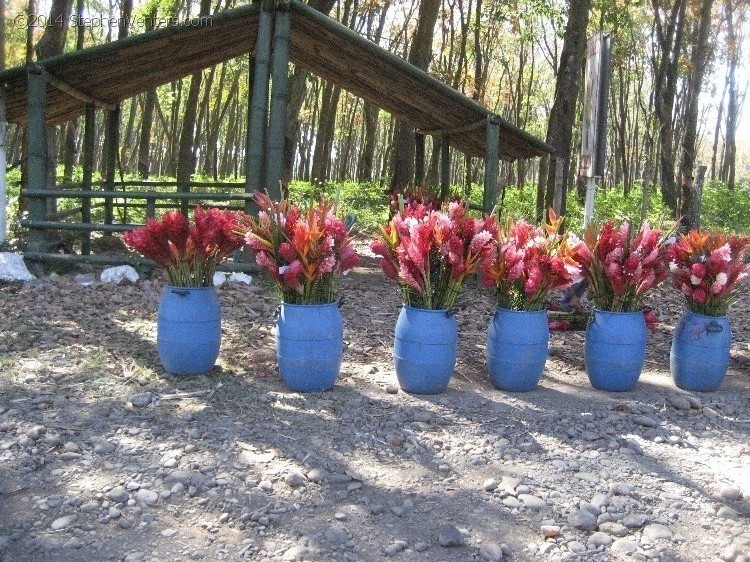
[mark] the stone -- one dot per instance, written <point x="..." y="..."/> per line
<point x="317" y="475"/>
<point x="104" y="447"/>
<point x="678" y="402"/>
<point x="118" y="494"/>
<point x="392" y="389"/>
<point x="730" y="493"/>
<point x="449" y="535"/>
<point x="577" y="547"/>
<point x="599" y="539"/>
<point x="532" y="502"/>
<point x="265" y="485"/>
<point x="645" y="421"/>
<point x="63" y="522"/>
<point x="421" y="546"/>
<point x="621" y="489"/>
<point x="634" y="520"/>
<point x="614" y="529"/>
<point x="218" y="280"/>
<point x="395" y="547"/>
<point x="238" y="277"/>
<point x="13" y="269"/>
<point x="85" y="279"/>
<point x="624" y="546"/>
<point x="336" y="534"/>
<point x="147" y="497"/>
<point x="511" y="502"/>
<point x="36" y="432"/>
<point x="295" y="479"/>
<point x="550" y="531"/>
<point x="655" y="531"/>
<point x="491" y="552"/>
<point x="89" y="507"/>
<point x="141" y="399"/>
<point x="119" y="275"/>
<point x="298" y="552"/>
<point x="726" y="512"/>
<point x="490" y="485"/>
<point x="582" y="520"/>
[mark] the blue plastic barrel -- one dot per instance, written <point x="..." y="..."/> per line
<point x="615" y="349"/>
<point x="699" y="358"/>
<point x="309" y="345"/>
<point x="517" y="343"/>
<point x="425" y="349"/>
<point x="188" y="329"/>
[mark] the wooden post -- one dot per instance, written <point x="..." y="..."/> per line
<point x="257" y="125"/>
<point x="491" y="164"/>
<point x="419" y="159"/>
<point x="696" y="197"/>
<point x="36" y="154"/>
<point x="113" y="126"/>
<point x="445" y="167"/>
<point x="89" y="134"/>
<point x="279" y="80"/>
<point x="3" y="164"/>
<point x="151" y="207"/>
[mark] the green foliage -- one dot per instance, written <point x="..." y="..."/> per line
<point x="725" y="210"/>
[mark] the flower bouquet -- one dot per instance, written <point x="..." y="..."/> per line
<point x="525" y="263"/>
<point x="430" y="253"/>
<point x="621" y="266"/>
<point x="708" y="268"/>
<point x="304" y="250"/>
<point x="189" y="318"/>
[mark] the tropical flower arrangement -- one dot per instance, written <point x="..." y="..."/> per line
<point x="430" y="252"/>
<point x="526" y="262"/>
<point x="708" y="268"/>
<point x="622" y="264"/>
<point x="303" y="249"/>
<point x="188" y="253"/>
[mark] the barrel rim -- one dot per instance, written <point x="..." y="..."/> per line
<point x="310" y="306"/>
<point x="525" y="312"/>
<point x="699" y="315"/>
<point x="620" y="313"/>
<point x="182" y="288"/>
<point x="417" y="309"/>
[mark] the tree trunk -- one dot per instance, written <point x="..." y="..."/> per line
<point x="402" y="162"/>
<point x="730" y="145"/>
<point x="698" y="62"/>
<point x="562" y="115"/>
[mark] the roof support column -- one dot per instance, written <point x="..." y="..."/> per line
<point x="418" y="159"/>
<point x="257" y="125"/>
<point x="491" y="164"/>
<point x="36" y="152"/>
<point x="279" y="80"/>
<point x="3" y="163"/>
<point x="445" y="167"/>
<point x="113" y="134"/>
<point x="89" y="126"/>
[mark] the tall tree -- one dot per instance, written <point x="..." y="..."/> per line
<point x="732" y="9"/>
<point x="698" y="61"/>
<point x="186" y="156"/>
<point x="420" y="53"/>
<point x="147" y="118"/>
<point x="562" y="114"/>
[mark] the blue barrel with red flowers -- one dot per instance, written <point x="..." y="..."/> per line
<point x="699" y="357"/>
<point x="188" y="329"/>
<point x="309" y="345"/>
<point x="424" y="349"/>
<point x="615" y="349"/>
<point x="517" y="342"/>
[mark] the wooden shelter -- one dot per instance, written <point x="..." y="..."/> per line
<point x="61" y="88"/>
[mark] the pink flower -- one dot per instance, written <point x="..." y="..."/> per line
<point x="699" y="295"/>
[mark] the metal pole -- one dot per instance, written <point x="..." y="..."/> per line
<point x="419" y="159"/>
<point x="277" y="121"/>
<point x="89" y="126"/>
<point x="588" y="209"/>
<point x="3" y="163"/>
<point x="36" y="151"/>
<point x="445" y="167"/>
<point x="257" y="125"/>
<point x="491" y="165"/>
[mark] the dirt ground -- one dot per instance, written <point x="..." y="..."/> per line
<point x="105" y="457"/>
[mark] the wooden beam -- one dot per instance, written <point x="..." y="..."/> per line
<point x="277" y="120"/>
<point x="445" y="167"/>
<point x="36" y="150"/>
<point x="89" y="134"/>
<point x="419" y="159"/>
<point x="257" y="126"/>
<point x="3" y="165"/>
<point x="74" y="93"/>
<point x="454" y="130"/>
<point x="491" y="165"/>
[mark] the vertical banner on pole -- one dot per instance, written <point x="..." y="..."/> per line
<point x="594" y="126"/>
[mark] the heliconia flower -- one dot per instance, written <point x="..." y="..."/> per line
<point x="652" y="320"/>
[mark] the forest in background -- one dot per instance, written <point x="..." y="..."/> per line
<point x="679" y="82"/>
